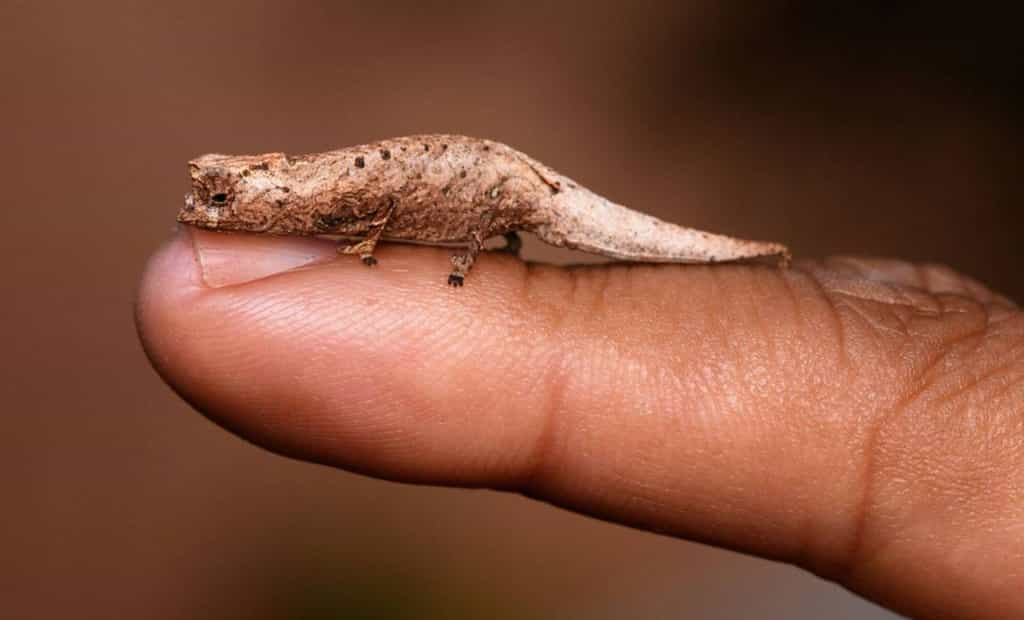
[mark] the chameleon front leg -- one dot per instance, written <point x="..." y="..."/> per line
<point x="365" y="247"/>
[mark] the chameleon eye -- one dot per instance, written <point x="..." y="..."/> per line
<point x="219" y="199"/>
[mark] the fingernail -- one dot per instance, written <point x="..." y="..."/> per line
<point x="227" y="259"/>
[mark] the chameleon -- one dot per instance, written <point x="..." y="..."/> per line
<point x="439" y="190"/>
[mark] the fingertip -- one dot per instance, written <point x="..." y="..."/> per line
<point x="375" y="370"/>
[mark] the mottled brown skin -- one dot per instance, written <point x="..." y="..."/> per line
<point x="436" y="189"/>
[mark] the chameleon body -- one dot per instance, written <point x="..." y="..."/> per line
<point x="437" y="189"/>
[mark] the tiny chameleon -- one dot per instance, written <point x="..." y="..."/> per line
<point x="441" y="190"/>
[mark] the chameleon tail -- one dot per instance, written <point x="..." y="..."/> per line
<point x="591" y="223"/>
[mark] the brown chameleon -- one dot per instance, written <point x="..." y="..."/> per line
<point x="437" y="189"/>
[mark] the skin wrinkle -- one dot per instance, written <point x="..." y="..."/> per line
<point x="599" y="290"/>
<point x="726" y="326"/>
<point x="764" y="290"/>
<point x="806" y="552"/>
<point x="1011" y="385"/>
<point x="550" y="325"/>
<point x="925" y="306"/>
<point x="539" y="476"/>
<point x="1007" y="361"/>
<point x="923" y="380"/>
<point x="839" y="331"/>
<point x="551" y="382"/>
<point x="845" y="568"/>
<point x="906" y="274"/>
<point x="592" y="289"/>
<point x="588" y="292"/>
<point x="978" y="332"/>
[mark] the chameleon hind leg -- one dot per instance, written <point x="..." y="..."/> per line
<point x="462" y="263"/>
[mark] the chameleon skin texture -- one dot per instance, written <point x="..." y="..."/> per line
<point x="437" y="189"/>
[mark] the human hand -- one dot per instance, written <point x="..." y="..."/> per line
<point x="861" y="419"/>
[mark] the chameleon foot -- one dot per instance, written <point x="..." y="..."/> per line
<point x="455" y="280"/>
<point x="368" y="260"/>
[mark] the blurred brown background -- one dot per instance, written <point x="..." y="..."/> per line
<point x="859" y="129"/>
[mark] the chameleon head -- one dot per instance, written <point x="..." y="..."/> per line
<point x="235" y="193"/>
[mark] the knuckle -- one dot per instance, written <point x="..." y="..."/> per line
<point x="952" y="439"/>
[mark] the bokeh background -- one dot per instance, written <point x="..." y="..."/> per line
<point x="862" y="127"/>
